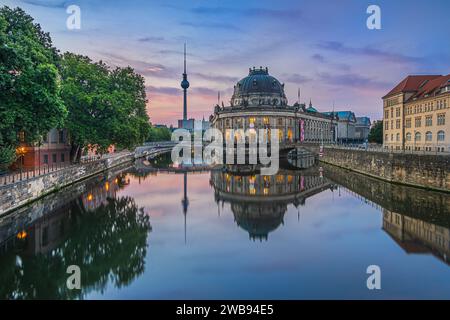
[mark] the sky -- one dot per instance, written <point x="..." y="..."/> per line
<point x="322" y="47"/>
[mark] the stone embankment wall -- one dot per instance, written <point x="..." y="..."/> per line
<point x="13" y="196"/>
<point x="425" y="171"/>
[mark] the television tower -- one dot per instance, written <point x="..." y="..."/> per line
<point x="185" y="86"/>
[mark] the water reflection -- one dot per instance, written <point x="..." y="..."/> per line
<point x="418" y="220"/>
<point x="103" y="225"/>
<point x="259" y="202"/>
<point x="103" y="234"/>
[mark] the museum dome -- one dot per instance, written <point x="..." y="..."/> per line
<point x="257" y="89"/>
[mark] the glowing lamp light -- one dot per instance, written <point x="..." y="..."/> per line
<point x="90" y="197"/>
<point x="22" y="235"/>
<point x="107" y="186"/>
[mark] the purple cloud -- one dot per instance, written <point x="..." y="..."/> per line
<point x="318" y="57"/>
<point x="257" y="12"/>
<point x="368" y="51"/>
<point x="150" y="39"/>
<point x="216" y="78"/>
<point x="295" y="78"/>
<point x="353" y="80"/>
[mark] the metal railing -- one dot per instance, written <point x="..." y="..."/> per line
<point x="381" y="149"/>
<point x="30" y="173"/>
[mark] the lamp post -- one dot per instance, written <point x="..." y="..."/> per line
<point x="21" y="152"/>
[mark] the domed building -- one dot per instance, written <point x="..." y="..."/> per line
<point x="259" y="102"/>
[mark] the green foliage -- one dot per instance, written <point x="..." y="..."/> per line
<point x="105" y="107"/>
<point x="29" y="82"/>
<point x="159" y="134"/>
<point x="376" y="133"/>
<point x="109" y="244"/>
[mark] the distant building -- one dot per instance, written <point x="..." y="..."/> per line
<point x="259" y="102"/>
<point x="346" y="126"/>
<point x="192" y="124"/>
<point x="416" y="114"/>
<point x="362" y="128"/>
<point x="53" y="150"/>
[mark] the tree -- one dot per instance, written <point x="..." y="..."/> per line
<point x="376" y="132"/>
<point x="29" y="82"/>
<point x="159" y="134"/>
<point x="105" y="107"/>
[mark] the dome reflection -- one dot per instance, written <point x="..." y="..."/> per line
<point x="259" y="202"/>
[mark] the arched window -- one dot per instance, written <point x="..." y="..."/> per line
<point x="418" y="136"/>
<point x="441" y="135"/>
<point x="428" y="136"/>
<point x="408" y="136"/>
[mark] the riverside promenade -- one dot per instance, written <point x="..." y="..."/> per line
<point x="21" y="190"/>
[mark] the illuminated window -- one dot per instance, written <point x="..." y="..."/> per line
<point x="266" y="120"/>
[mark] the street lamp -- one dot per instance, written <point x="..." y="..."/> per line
<point x="21" y="152"/>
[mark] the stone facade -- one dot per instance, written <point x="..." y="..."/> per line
<point x="21" y="193"/>
<point x="259" y="102"/>
<point x="426" y="171"/>
<point x="416" y="114"/>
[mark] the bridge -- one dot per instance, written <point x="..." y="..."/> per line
<point x="293" y="154"/>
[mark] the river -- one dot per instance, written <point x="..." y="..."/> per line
<point x="149" y="233"/>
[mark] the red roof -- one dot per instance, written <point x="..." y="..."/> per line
<point x="431" y="86"/>
<point x="411" y="84"/>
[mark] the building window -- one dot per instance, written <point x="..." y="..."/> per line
<point x="386" y="138"/>
<point x="392" y="124"/>
<point x="386" y="114"/>
<point x="441" y="135"/>
<point x="392" y="112"/>
<point x="386" y="125"/>
<point x="428" y="136"/>
<point x="45" y="158"/>
<point x="252" y="120"/>
<point x="408" y="136"/>
<point x="418" y="136"/>
<point x="54" y="157"/>
<point x="397" y="112"/>
<point x="408" y="123"/>
<point x="46" y="138"/>
<point x="22" y="136"/>
<point x="418" y="122"/>
<point x="398" y="137"/>
<point x="397" y="124"/>
<point x="428" y="121"/>
<point x="266" y="120"/>
<point x="61" y="137"/>
<point x="441" y="119"/>
<point x="63" y="157"/>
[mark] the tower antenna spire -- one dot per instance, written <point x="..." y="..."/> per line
<point x="185" y="57"/>
<point x="185" y="86"/>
